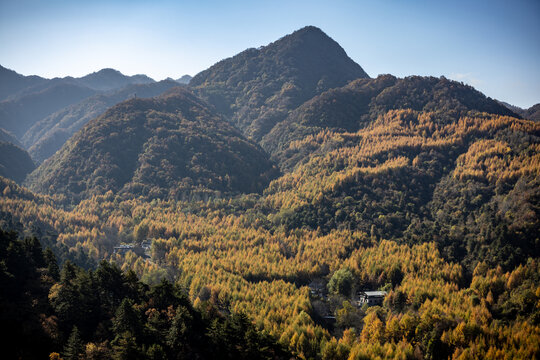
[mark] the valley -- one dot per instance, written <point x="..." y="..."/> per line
<point x="270" y="191"/>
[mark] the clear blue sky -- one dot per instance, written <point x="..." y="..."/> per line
<point x="492" y="45"/>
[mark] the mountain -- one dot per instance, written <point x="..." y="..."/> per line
<point x="170" y="146"/>
<point x="103" y="80"/>
<point x="184" y="79"/>
<point x="109" y="79"/>
<point x="532" y="113"/>
<point x="515" y="109"/>
<point x="421" y="188"/>
<point x="20" y="114"/>
<point x="8" y="137"/>
<point x="15" y="163"/>
<point x="48" y="135"/>
<point x="29" y="99"/>
<point x="362" y="101"/>
<point x="12" y="82"/>
<point x="470" y="184"/>
<point x="395" y="157"/>
<point x="258" y="87"/>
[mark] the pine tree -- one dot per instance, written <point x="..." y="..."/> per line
<point x="126" y="319"/>
<point x="52" y="265"/>
<point x="74" y="347"/>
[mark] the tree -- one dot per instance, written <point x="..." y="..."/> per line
<point x="55" y="356"/>
<point x="341" y="282"/>
<point x="74" y="347"/>
<point x="348" y="316"/>
<point x="126" y="319"/>
<point x="395" y="276"/>
<point x="52" y="265"/>
<point x="180" y="332"/>
<point x="125" y="347"/>
<point x="156" y="352"/>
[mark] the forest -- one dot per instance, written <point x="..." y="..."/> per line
<point x="243" y="215"/>
<point x="107" y="313"/>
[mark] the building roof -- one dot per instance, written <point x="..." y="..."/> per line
<point x="375" y="293"/>
<point x="129" y="246"/>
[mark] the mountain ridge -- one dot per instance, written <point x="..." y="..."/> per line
<point x="160" y="147"/>
<point x="46" y="136"/>
<point x="362" y="101"/>
<point x="257" y="87"/>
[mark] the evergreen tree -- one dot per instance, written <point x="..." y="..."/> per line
<point x="125" y="347"/>
<point x="74" y="346"/>
<point x="180" y="339"/>
<point x="52" y="265"/>
<point x="126" y="319"/>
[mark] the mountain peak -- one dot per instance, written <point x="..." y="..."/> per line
<point x="104" y="73"/>
<point x="311" y="44"/>
<point x="107" y="71"/>
<point x="256" y="88"/>
<point x="309" y="30"/>
<point x="108" y="79"/>
<point x="185" y="79"/>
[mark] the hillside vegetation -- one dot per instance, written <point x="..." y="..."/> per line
<point x="170" y="146"/>
<point x="361" y="102"/>
<point x="106" y="313"/>
<point x="15" y="163"/>
<point x="48" y="135"/>
<point x="19" y="114"/>
<point x="256" y="88"/>
<point x="420" y="187"/>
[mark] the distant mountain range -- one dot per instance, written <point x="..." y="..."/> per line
<point x="13" y="85"/>
<point x="110" y="79"/>
<point x="48" y="135"/>
<point x="21" y="112"/>
<point x="11" y="82"/>
<point x="42" y="114"/>
<point x="28" y="99"/>
<point x="532" y="113"/>
<point x="185" y="79"/>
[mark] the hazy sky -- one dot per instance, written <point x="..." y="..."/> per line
<point x="492" y="45"/>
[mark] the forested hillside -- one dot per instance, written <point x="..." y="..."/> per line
<point x="71" y="313"/>
<point x="12" y="82"/>
<point x="21" y="113"/>
<point x="15" y="163"/>
<point x="532" y="113"/>
<point x="362" y="101"/>
<point x="48" y="135"/>
<point x="34" y="109"/>
<point x="421" y="188"/>
<point x="256" y="88"/>
<point x="8" y="137"/>
<point x="170" y="146"/>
